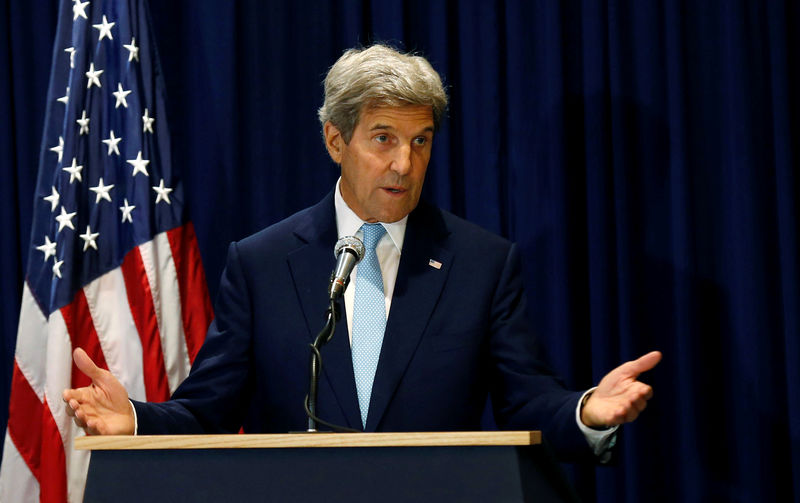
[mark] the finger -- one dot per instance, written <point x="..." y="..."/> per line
<point x="91" y="427"/>
<point x="639" y="390"/>
<point x="86" y="365"/>
<point x="68" y="408"/>
<point x="641" y="364"/>
<point x="639" y="406"/>
<point x="80" y="419"/>
<point x="87" y="409"/>
<point x="80" y="395"/>
<point x="631" y="415"/>
<point x="72" y="406"/>
<point x="648" y="361"/>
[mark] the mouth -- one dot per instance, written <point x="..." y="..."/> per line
<point x="394" y="190"/>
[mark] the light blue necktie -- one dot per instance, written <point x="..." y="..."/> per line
<point x="369" y="318"/>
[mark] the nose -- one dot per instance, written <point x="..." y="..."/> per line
<point x="401" y="164"/>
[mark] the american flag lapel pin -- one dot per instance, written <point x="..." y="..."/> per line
<point x="435" y="264"/>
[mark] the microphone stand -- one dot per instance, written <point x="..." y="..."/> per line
<point x="315" y="365"/>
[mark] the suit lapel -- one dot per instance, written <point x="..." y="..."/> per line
<point x="416" y="292"/>
<point x="311" y="265"/>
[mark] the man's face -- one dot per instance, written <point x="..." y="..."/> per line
<point x="383" y="166"/>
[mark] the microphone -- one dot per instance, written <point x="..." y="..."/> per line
<point x="349" y="251"/>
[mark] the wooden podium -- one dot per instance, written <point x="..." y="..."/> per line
<point x="324" y="467"/>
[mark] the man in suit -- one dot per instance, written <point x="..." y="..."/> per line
<point x="434" y="320"/>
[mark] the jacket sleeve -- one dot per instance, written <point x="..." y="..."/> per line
<point x="525" y="393"/>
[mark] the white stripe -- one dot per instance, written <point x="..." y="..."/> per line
<point x="163" y="279"/>
<point x="59" y="371"/>
<point x="77" y="466"/>
<point x="59" y="375"/>
<point x="17" y="483"/>
<point x="32" y="343"/>
<point x="119" y="339"/>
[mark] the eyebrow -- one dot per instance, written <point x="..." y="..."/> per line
<point x="380" y="126"/>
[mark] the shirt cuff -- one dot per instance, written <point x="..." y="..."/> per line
<point x="601" y="441"/>
<point x="135" y="419"/>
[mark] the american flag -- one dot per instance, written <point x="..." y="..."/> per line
<point x="113" y="265"/>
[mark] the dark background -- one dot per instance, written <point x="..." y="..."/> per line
<point x="644" y="155"/>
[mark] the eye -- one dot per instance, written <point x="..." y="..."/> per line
<point x="420" y="140"/>
<point x="382" y="138"/>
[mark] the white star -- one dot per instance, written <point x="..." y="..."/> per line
<point x="57" y="268"/>
<point x="120" y="94"/>
<point x="71" y="51"/>
<point x="64" y="99"/>
<point x="89" y="238"/>
<point x="48" y="248"/>
<point x="53" y="200"/>
<point x="163" y="192"/>
<point x="105" y="29"/>
<point x="101" y="191"/>
<point x="111" y="141"/>
<point x="126" y="211"/>
<point x="139" y="164"/>
<point x="83" y="122"/>
<point x="74" y="171"/>
<point x="134" y="51"/>
<point x="79" y="10"/>
<point x="147" y="121"/>
<point x="59" y="149"/>
<point x="93" y="75"/>
<point x="65" y="220"/>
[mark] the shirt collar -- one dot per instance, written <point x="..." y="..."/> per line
<point x="348" y="223"/>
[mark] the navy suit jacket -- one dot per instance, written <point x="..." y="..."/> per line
<point x="455" y="335"/>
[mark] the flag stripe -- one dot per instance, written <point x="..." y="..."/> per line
<point x="82" y="335"/>
<point x="195" y="301"/>
<point x="24" y="421"/>
<point x="143" y="310"/>
<point x="53" y="474"/>
<point x="59" y="370"/>
<point x="29" y="354"/>
<point x="116" y="330"/>
<point x="17" y="483"/>
<point x="77" y="465"/>
<point x="162" y="277"/>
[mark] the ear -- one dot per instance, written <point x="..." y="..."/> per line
<point x="333" y="142"/>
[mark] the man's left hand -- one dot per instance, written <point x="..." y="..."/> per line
<point x="620" y="396"/>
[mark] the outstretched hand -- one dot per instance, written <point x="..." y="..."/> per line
<point x="620" y="396"/>
<point x="101" y="408"/>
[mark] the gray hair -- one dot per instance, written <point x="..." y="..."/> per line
<point x="378" y="76"/>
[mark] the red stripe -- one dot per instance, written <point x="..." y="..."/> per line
<point x="25" y="421"/>
<point x="35" y="435"/>
<point x="195" y="303"/>
<point x="83" y="335"/>
<point x="53" y="477"/>
<point x="140" y="299"/>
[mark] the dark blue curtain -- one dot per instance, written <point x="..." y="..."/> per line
<point x="644" y="155"/>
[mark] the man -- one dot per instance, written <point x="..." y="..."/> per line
<point x="435" y="313"/>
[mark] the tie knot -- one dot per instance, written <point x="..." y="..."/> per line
<point x="372" y="234"/>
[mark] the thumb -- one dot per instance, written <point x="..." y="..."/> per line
<point x="86" y="365"/>
<point x="644" y="363"/>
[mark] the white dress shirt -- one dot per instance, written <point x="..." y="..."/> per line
<point x="387" y="250"/>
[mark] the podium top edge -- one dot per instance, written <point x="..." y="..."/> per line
<point x="303" y="440"/>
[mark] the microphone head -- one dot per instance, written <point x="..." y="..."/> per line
<point x="351" y="244"/>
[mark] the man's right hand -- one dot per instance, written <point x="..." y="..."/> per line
<point x="101" y="408"/>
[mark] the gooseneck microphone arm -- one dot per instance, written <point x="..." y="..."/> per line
<point x="349" y="251"/>
<point x="315" y="365"/>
